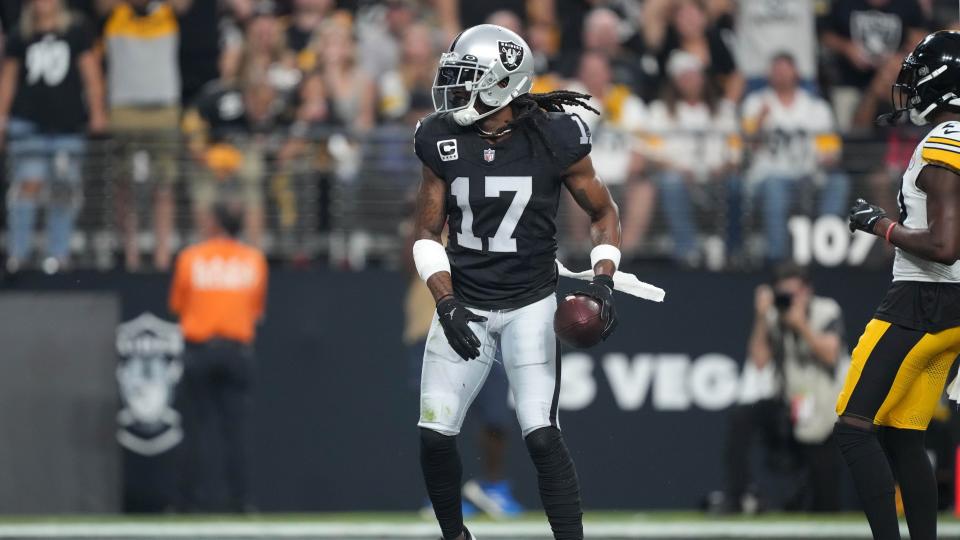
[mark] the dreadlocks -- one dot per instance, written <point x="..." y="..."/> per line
<point x="531" y="109"/>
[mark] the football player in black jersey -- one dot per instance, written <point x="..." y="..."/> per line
<point x="495" y="158"/>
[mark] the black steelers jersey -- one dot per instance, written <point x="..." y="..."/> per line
<point x="223" y="109"/>
<point x="502" y="201"/>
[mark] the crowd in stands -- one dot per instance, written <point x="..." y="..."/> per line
<point x="710" y="110"/>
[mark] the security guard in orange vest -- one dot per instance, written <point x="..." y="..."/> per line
<point x="218" y="291"/>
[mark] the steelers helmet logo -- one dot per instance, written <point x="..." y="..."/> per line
<point x="511" y="55"/>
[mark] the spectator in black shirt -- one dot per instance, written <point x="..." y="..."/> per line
<point x="199" y="48"/>
<point x="51" y="80"/>
<point x="690" y="30"/>
<point x="307" y="17"/>
<point x="238" y="137"/>
<point x="10" y="11"/>
<point x="864" y="35"/>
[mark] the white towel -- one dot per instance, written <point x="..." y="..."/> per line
<point x="622" y="281"/>
<point x="953" y="390"/>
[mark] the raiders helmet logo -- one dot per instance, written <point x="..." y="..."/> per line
<point x="511" y="55"/>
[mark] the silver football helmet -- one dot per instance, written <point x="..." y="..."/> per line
<point x="486" y="62"/>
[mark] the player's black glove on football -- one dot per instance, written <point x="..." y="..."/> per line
<point x="454" y="318"/>
<point x="863" y="216"/>
<point x="601" y="290"/>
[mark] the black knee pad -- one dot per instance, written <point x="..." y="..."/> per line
<point x="850" y="436"/>
<point x="867" y="461"/>
<point x="543" y="441"/>
<point x="431" y="441"/>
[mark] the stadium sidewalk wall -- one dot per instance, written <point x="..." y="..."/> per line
<point x="334" y="424"/>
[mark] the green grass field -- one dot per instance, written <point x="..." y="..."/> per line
<point x="389" y="526"/>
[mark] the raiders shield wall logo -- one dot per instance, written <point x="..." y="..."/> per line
<point x="511" y="55"/>
<point x="148" y="373"/>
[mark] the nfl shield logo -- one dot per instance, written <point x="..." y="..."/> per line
<point x="489" y="154"/>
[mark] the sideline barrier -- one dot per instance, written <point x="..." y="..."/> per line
<point x="335" y="414"/>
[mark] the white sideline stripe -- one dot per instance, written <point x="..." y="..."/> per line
<point x="778" y="529"/>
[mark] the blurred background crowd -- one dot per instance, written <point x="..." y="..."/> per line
<point x="720" y="120"/>
<point x="733" y="134"/>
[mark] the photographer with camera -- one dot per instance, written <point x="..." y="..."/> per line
<point x="797" y="343"/>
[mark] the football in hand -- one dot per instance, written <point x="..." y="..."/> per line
<point x="578" y="322"/>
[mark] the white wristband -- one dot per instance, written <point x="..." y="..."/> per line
<point x="605" y="252"/>
<point x="430" y="258"/>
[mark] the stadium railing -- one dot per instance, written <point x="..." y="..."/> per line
<point x="342" y="200"/>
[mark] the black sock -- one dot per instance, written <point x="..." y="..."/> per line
<point x="872" y="475"/>
<point x="917" y="482"/>
<point x="442" y="473"/>
<point x="558" y="482"/>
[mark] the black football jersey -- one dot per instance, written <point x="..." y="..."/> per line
<point x="223" y="108"/>
<point x="502" y="201"/>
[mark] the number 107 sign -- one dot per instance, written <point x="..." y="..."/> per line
<point x="827" y="241"/>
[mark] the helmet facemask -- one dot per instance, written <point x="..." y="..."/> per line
<point x="456" y="85"/>
<point x="903" y="94"/>
<point x="460" y="83"/>
<point x="910" y="95"/>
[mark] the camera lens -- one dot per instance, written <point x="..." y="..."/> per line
<point x="783" y="300"/>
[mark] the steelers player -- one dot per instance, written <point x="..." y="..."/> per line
<point x="901" y="363"/>
<point x="495" y="158"/>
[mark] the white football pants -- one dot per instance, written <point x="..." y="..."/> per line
<point x="523" y="340"/>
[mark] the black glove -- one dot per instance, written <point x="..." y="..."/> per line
<point x="454" y="318"/>
<point x="863" y="216"/>
<point x="601" y="290"/>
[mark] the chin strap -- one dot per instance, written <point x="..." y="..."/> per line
<point x="469" y="115"/>
<point x="889" y="119"/>
<point x="466" y="117"/>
